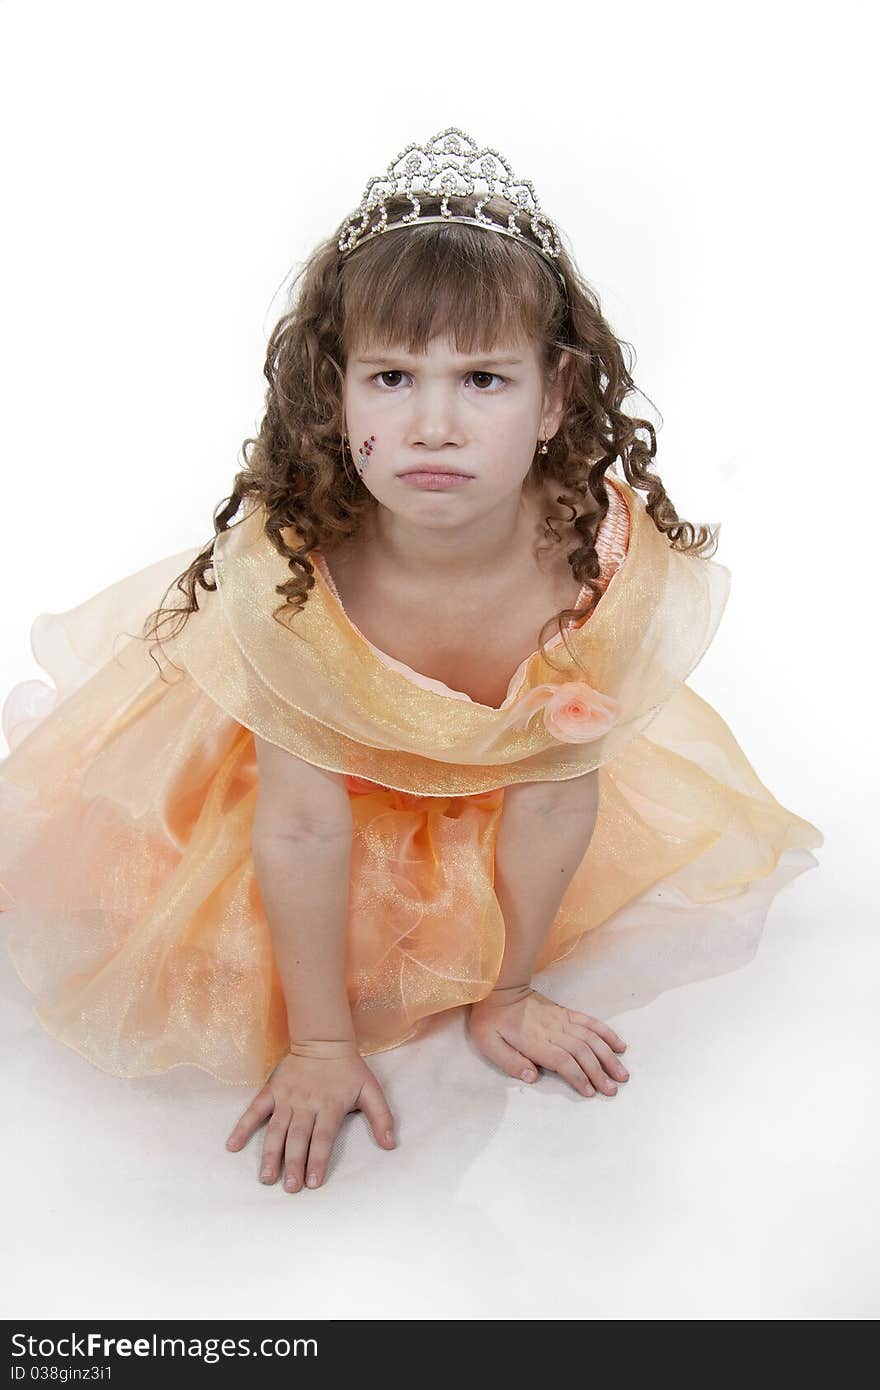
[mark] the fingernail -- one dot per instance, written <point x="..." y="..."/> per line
<point x="528" y="1075"/>
<point x="313" y="1180"/>
<point x="290" y="1184"/>
<point x="389" y="1135"/>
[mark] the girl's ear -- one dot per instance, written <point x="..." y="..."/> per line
<point x="564" y="368"/>
<point x="557" y="394"/>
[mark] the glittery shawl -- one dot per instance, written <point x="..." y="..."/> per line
<point x="311" y="683"/>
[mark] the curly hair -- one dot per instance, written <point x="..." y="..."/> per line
<point x="399" y="291"/>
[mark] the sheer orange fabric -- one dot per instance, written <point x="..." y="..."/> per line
<point x="127" y="799"/>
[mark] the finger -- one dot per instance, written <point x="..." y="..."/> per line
<point x="259" y="1109"/>
<point x="326" y="1129"/>
<point x="372" y="1102"/>
<point x="273" y="1145"/>
<point x="568" y="1067"/>
<point x="296" y="1147"/>
<point x="599" y="1026"/>
<point x="511" y="1061"/>
<point x="601" y="1048"/>
<point x="592" y="1067"/>
<point x="607" y="1058"/>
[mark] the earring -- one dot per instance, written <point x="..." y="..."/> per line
<point x="543" y="444"/>
<point x="344" y="458"/>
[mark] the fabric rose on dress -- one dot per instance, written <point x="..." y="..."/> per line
<point x="573" y="712"/>
<point x="576" y="713"/>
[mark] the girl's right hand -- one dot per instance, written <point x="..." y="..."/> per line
<point x="307" y="1096"/>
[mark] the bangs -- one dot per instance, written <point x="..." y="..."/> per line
<point x="478" y="289"/>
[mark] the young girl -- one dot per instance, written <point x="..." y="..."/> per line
<point x="421" y="722"/>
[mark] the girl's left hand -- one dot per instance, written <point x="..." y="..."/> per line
<point x="519" y="1029"/>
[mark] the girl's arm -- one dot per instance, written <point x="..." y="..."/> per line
<point x="544" y="832"/>
<point x="301" y="841"/>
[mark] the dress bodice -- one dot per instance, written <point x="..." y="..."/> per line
<point x="612" y="540"/>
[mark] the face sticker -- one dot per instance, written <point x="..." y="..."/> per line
<point x="364" y="452"/>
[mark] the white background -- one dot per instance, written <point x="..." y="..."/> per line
<point x="165" y="169"/>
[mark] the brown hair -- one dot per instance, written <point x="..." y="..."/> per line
<point x="399" y="290"/>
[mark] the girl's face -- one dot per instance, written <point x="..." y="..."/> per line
<point x="482" y="415"/>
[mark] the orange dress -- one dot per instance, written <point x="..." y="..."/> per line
<point x="126" y="802"/>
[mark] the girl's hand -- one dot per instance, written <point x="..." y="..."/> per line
<point x="517" y="1027"/>
<point x="307" y="1096"/>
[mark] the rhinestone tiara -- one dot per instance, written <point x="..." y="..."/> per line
<point x="452" y="164"/>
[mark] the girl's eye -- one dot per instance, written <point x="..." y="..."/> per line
<point x="379" y="377"/>
<point x="491" y="376"/>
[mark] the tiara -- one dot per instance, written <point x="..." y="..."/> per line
<point x="451" y="164"/>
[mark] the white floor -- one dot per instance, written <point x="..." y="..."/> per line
<point x="733" y="1177"/>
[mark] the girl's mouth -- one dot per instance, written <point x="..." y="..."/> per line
<point x="435" y="480"/>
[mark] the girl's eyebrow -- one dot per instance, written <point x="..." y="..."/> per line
<point x="486" y="361"/>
